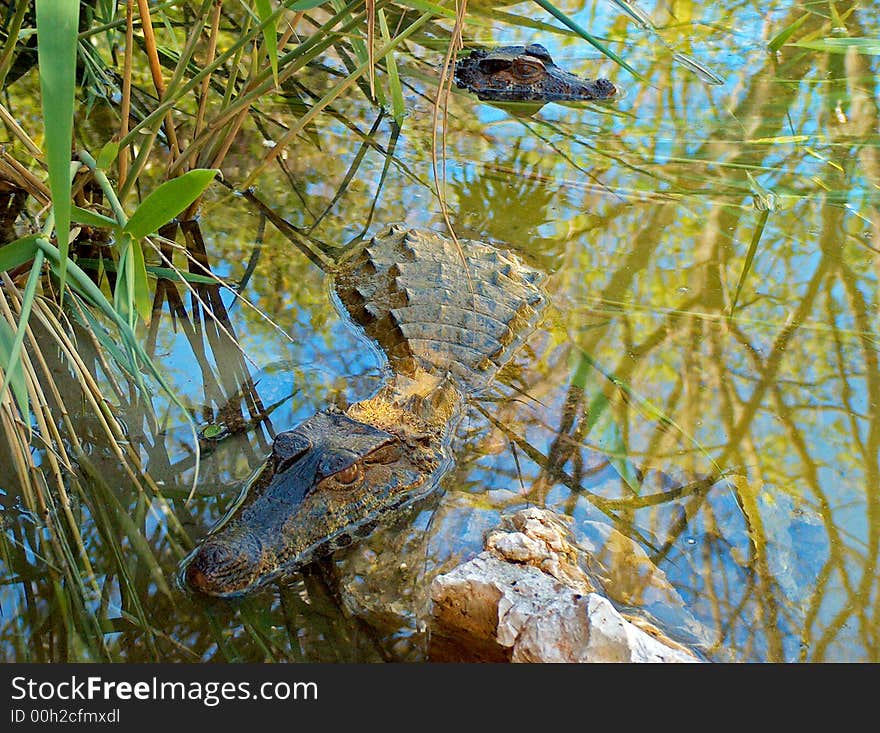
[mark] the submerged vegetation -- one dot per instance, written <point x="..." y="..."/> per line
<point x="172" y="172"/>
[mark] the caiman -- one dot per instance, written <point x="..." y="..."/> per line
<point x="525" y="74"/>
<point x="447" y="315"/>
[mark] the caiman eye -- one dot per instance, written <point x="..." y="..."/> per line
<point x="530" y="69"/>
<point x="385" y="455"/>
<point x="348" y="475"/>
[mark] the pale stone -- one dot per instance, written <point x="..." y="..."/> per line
<point x="527" y="595"/>
<point x="517" y="547"/>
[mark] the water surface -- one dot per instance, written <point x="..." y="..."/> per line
<point x="657" y="365"/>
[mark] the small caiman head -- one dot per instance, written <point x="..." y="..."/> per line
<point x="525" y="74"/>
<point x="327" y="482"/>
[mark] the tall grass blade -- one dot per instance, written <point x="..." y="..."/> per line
<point x="270" y="34"/>
<point x="371" y="44"/>
<point x="868" y="46"/>
<point x="83" y="284"/>
<point x="57" y="30"/>
<point x="778" y="41"/>
<point x="12" y="360"/>
<point x="750" y="258"/>
<point x="398" y="107"/>
<point x="363" y="51"/>
<point x="317" y="107"/>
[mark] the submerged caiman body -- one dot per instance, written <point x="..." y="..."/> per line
<point x="447" y="315"/>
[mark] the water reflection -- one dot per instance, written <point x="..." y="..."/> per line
<point x="738" y="451"/>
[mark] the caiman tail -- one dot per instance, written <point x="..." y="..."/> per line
<point x="447" y="319"/>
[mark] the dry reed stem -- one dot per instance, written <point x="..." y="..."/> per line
<point x="156" y="72"/>
<point x="117" y="441"/>
<point x="15" y="172"/>
<point x="206" y="82"/>
<point x="17" y="130"/>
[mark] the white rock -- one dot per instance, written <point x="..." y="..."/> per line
<point x="505" y="596"/>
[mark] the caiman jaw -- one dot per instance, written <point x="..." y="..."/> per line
<point x="226" y="566"/>
<point x="327" y="481"/>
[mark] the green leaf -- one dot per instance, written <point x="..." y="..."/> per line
<point x="107" y="155"/>
<point x="753" y="248"/>
<point x="92" y="219"/>
<point x="398" y="107"/>
<point x="306" y="4"/>
<point x="132" y="293"/>
<point x="270" y="34"/>
<point x="57" y="32"/>
<point x="778" y="41"/>
<point x="167" y="201"/>
<point x="142" y="300"/>
<point x="169" y="273"/>
<point x="869" y="46"/>
<point x="18" y="252"/>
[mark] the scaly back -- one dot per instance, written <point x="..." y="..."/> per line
<point x="411" y="292"/>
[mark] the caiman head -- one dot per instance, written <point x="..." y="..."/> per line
<point x="525" y="74"/>
<point x="326" y="483"/>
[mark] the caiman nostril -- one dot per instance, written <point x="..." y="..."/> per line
<point x="224" y="567"/>
<point x="196" y="579"/>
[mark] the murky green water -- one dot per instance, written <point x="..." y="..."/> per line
<point x="654" y="361"/>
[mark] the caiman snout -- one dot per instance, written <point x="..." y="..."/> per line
<point x="223" y="568"/>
